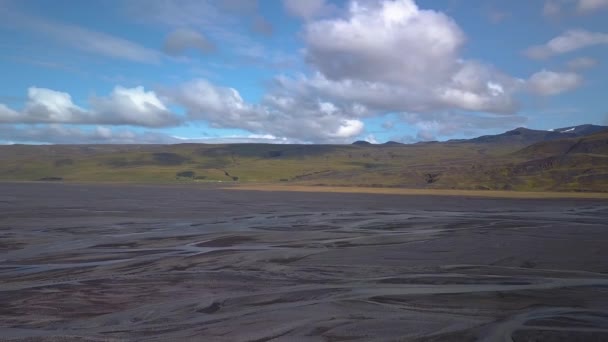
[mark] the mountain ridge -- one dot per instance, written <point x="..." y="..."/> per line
<point x="530" y="136"/>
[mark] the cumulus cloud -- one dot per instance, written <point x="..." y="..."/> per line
<point x="7" y="114"/>
<point x="306" y="9"/>
<point x="360" y="71"/>
<point x="280" y="116"/>
<point x="392" y="56"/>
<point x="222" y="106"/>
<point x="132" y="106"/>
<point x="124" y="106"/>
<point x="481" y="88"/>
<point x="582" y="63"/>
<point x="548" y="83"/>
<point x="295" y="109"/>
<point x="377" y="57"/>
<point x="393" y="41"/>
<point x="430" y="127"/>
<point x="462" y="91"/>
<point x="568" y="41"/>
<point x="43" y="106"/>
<point x="181" y="40"/>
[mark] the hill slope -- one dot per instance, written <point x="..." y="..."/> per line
<point x="577" y="162"/>
<point x="524" y="136"/>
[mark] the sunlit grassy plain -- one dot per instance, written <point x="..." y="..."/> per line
<point x="421" y="192"/>
<point x="579" y="165"/>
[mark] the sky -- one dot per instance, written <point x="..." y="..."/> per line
<point x="297" y="71"/>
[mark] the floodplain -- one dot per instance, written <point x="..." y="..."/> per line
<point x="102" y="262"/>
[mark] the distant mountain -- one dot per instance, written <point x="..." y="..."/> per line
<point x="390" y="142"/>
<point x="524" y="136"/>
<point x="594" y="143"/>
<point x="362" y="142"/>
<point x="582" y="130"/>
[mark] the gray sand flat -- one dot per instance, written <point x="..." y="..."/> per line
<point x="159" y="263"/>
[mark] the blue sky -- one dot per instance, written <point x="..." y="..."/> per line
<point x="315" y="71"/>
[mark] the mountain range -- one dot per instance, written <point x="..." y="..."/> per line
<point x="564" y="159"/>
<point x="527" y="136"/>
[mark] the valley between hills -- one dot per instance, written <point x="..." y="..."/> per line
<point x="566" y="159"/>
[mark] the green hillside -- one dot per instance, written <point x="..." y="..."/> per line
<point x="572" y="164"/>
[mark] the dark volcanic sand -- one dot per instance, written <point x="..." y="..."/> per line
<point x="110" y="262"/>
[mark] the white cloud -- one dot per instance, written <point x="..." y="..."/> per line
<point x="546" y="83"/>
<point x="132" y="106"/>
<point x="582" y="63"/>
<point x="377" y="57"/>
<point x="67" y="134"/>
<point x="103" y="44"/>
<point x="7" y="114"/>
<point x="181" y="40"/>
<point x="62" y="134"/>
<point x="481" y="88"/>
<point x="306" y="9"/>
<point x="79" y="38"/>
<point x="393" y="56"/>
<point x="445" y="124"/>
<point x="124" y="106"/>
<point x="225" y="22"/>
<point x="567" y="42"/>
<point x="46" y="105"/>
<point x="370" y="44"/>
<point x="241" y="139"/>
<point x="588" y="6"/>
<point x="360" y="70"/>
<point x="281" y="116"/>
<point x="348" y="128"/>
<point x="222" y="106"/>
<point x="371" y="139"/>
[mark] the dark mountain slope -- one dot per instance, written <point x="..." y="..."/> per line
<point x="582" y="130"/>
<point x="524" y="136"/>
<point x="592" y="144"/>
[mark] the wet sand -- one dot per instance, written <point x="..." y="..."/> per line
<point x="160" y="263"/>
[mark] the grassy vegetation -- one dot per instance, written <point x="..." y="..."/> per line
<point x="421" y="192"/>
<point x="579" y="164"/>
